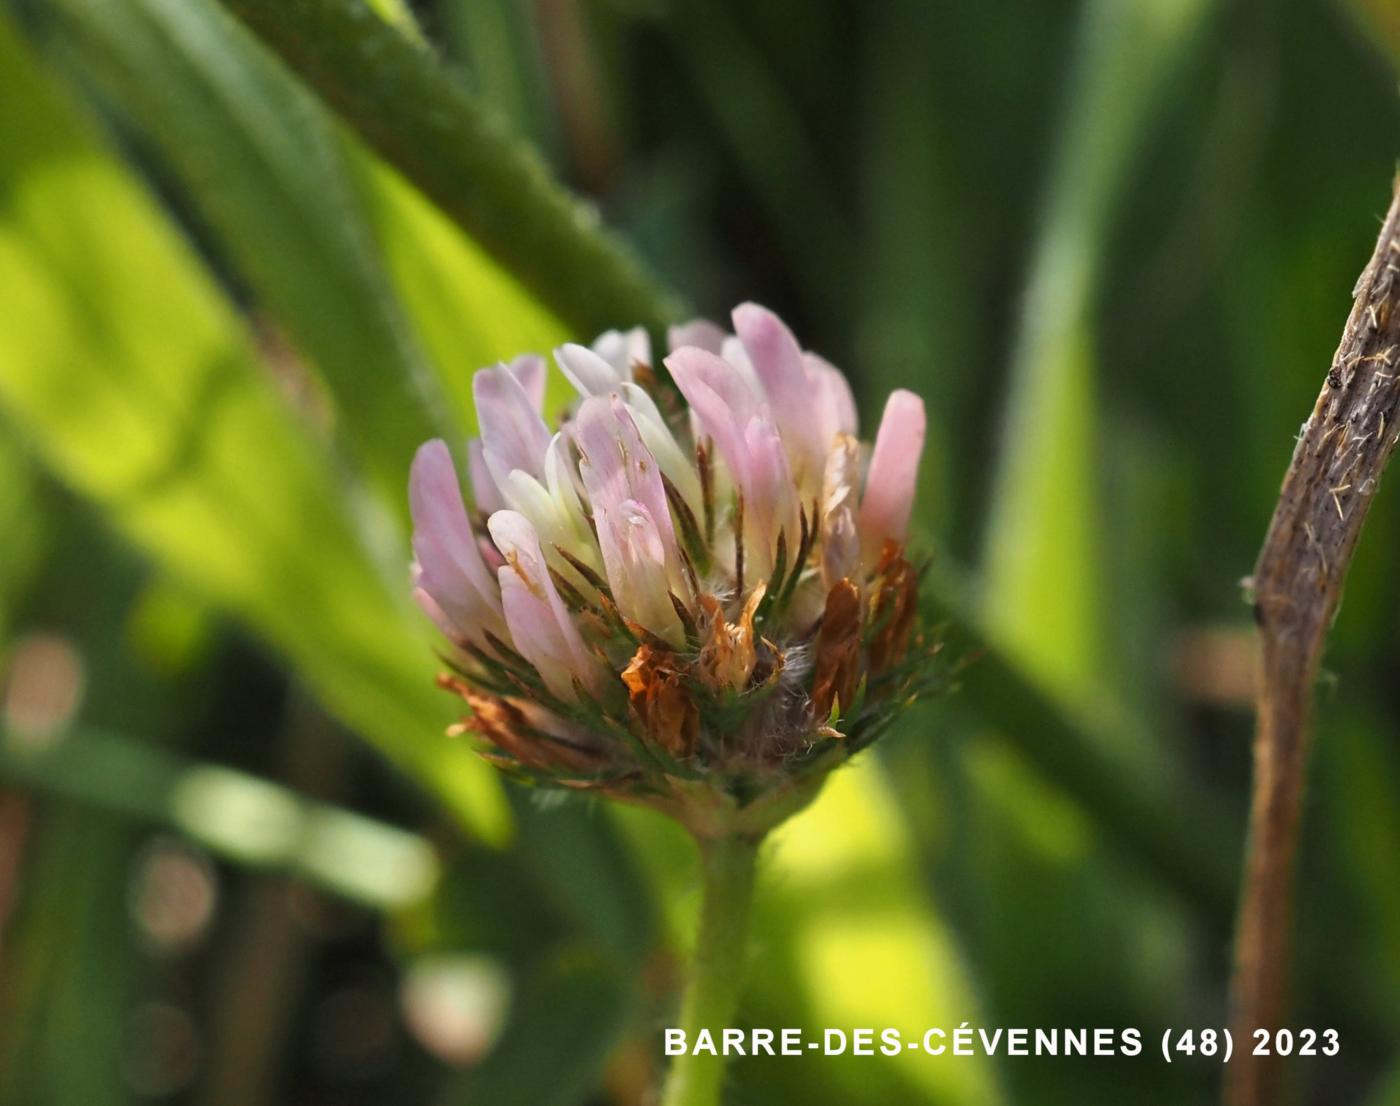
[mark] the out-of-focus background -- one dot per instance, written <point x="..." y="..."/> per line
<point x="1111" y="242"/>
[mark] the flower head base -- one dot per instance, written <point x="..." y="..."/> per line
<point x="693" y="593"/>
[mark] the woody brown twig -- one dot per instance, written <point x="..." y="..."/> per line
<point x="1337" y="463"/>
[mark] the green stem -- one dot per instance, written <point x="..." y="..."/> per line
<point x="406" y="105"/>
<point x="717" y="966"/>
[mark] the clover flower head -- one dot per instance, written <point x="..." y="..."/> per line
<point x="693" y="593"/>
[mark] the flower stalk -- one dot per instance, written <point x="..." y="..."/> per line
<point x="727" y="866"/>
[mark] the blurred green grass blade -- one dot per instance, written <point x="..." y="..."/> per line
<point x="916" y="299"/>
<point x="466" y="310"/>
<point x="1359" y="769"/>
<point x="21" y="523"/>
<point x="566" y="1020"/>
<point x="69" y="966"/>
<point x="579" y="857"/>
<point x="264" y="164"/>
<point x="853" y="915"/>
<point x="1078" y="752"/>
<point x="239" y="817"/>
<point x="499" y="44"/>
<point x="410" y="109"/>
<point x="397" y="13"/>
<point x="134" y="381"/>
<point x="766" y="134"/>
<point x="1380" y="20"/>
<point x="1044" y="541"/>
<point x="1386" y="1091"/>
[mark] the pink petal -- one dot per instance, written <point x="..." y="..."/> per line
<point x="541" y="628"/>
<point x="677" y="464"/>
<point x="722" y="402"/>
<point x="732" y="350"/>
<point x="512" y="433"/>
<point x="617" y="464"/>
<point x="601" y="462"/>
<point x="529" y="369"/>
<point x="450" y="568"/>
<point x="484" y="491"/>
<point x="834" y="408"/>
<point x="489" y="553"/>
<point x="700" y="333"/>
<point x="770" y="506"/>
<point x="776" y="356"/>
<point x="750" y="446"/>
<point x="692" y="364"/>
<point x="894" y="469"/>
<point x="777" y="359"/>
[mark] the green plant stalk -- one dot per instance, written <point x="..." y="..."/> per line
<point x="717" y="966"/>
<point x="400" y="98"/>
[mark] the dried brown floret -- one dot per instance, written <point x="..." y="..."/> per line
<point x="730" y="651"/>
<point x="661" y="703"/>
<point x="836" y="665"/>
<point x="893" y="609"/>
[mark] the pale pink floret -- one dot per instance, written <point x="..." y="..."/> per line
<point x="894" y="468"/>
<point x="833" y="406"/>
<point x="635" y="531"/>
<point x="700" y="333"/>
<point x="484" y="490"/>
<point x="636" y="556"/>
<point x="770" y="500"/>
<point x="513" y="435"/>
<point x="530" y="369"/>
<point x="777" y="361"/>
<point x="751" y="447"/>
<point x="717" y="392"/>
<point x="450" y="570"/>
<point x="541" y="629"/>
<point x="616" y="464"/>
<point x="529" y="372"/>
<point x="587" y="371"/>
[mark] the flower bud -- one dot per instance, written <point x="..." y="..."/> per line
<point x="693" y="592"/>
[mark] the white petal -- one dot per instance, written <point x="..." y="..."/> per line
<point x="591" y="374"/>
